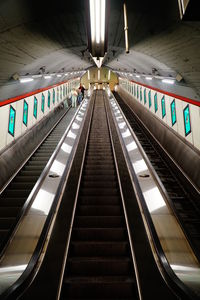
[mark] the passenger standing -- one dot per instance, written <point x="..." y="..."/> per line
<point x="82" y="90"/>
<point x="74" y="98"/>
<point x="80" y="97"/>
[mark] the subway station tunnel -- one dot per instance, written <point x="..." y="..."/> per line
<point x="99" y="185"/>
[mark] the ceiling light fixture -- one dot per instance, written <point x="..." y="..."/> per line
<point x="169" y="81"/>
<point x="25" y="80"/>
<point x="47" y="77"/>
<point x="148" y="78"/>
<point x="109" y="75"/>
<point x="97" y="20"/>
<point x="88" y="75"/>
<point x="96" y="39"/>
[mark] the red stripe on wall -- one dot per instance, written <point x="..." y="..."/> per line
<point x="194" y="102"/>
<point x="17" y="98"/>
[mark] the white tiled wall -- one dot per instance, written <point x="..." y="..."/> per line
<point x="20" y="128"/>
<point x="179" y="127"/>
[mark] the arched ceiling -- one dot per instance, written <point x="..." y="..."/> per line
<point x="52" y="35"/>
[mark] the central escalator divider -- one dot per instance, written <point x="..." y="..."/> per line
<point x="99" y="263"/>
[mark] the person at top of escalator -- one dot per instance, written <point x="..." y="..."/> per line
<point x="81" y="87"/>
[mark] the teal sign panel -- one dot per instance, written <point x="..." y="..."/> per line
<point x="145" y="96"/>
<point x="149" y="99"/>
<point x="140" y="94"/>
<point x="156" y="102"/>
<point x="11" y="124"/>
<point x="25" y="113"/>
<point x="173" y="112"/>
<point x="163" y="107"/>
<point x="187" y="123"/>
<point x="49" y="99"/>
<point x="35" y="107"/>
<point x="54" y="96"/>
<point x="43" y="103"/>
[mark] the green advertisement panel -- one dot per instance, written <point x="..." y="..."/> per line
<point x="163" y="107"/>
<point x="35" y="107"/>
<point x="187" y="123"/>
<point x="43" y="102"/>
<point x="25" y="113"/>
<point x="54" y="96"/>
<point x="149" y="99"/>
<point x="49" y="99"/>
<point x="156" y="102"/>
<point x="173" y="112"/>
<point x="145" y="96"/>
<point x="11" y="124"/>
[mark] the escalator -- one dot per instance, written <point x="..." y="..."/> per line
<point x="184" y="204"/>
<point x="99" y="263"/>
<point x="16" y="193"/>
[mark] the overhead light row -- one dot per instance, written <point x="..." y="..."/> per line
<point x="162" y="78"/>
<point x="25" y="79"/>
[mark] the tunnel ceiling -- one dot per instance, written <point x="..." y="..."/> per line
<point x="52" y="36"/>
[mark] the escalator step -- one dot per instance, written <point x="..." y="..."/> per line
<point x="99" y="221"/>
<point x="99" y="178"/>
<point x="101" y="183"/>
<point x="98" y="266"/>
<point x="99" y="210"/>
<point x="99" y="192"/>
<point x="99" y="234"/>
<point x="11" y="193"/>
<point x="99" y="249"/>
<point x="26" y="178"/>
<point x="22" y="185"/>
<point x="8" y="202"/>
<point x="9" y="211"/>
<point x="104" y="288"/>
<point x="6" y="223"/>
<point x="87" y="199"/>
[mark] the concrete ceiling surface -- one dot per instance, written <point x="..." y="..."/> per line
<point x="53" y="35"/>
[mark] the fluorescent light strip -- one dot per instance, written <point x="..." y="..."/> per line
<point x="109" y="75"/>
<point x="92" y="19"/>
<point x="47" y="77"/>
<point x="98" y="20"/>
<point x="148" y="78"/>
<point x="99" y="75"/>
<point x="103" y="13"/>
<point x="169" y="81"/>
<point x="24" y="80"/>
